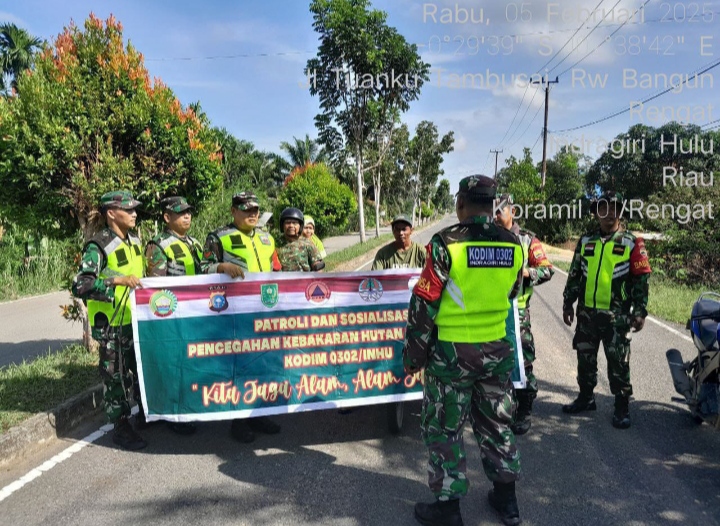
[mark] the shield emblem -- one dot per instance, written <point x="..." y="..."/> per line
<point x="269" y="294"/>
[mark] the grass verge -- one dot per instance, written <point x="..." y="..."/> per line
<point x="668" y="300"/>
<point x="33" y="387"/>
<point x="336" y="259"/>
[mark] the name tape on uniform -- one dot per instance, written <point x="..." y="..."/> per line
<point x="490" y="257"/>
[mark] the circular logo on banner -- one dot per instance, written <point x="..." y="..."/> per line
<point x="163" y="303"/>
<point x="317" y="292"/>
<point x="370" y="289"/>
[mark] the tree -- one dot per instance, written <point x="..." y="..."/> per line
<point x="355" y="75"/>
<point x="88" y="121"/>
<point x="424" y="156"/>
<point x="17" y="51"/>
<point x="303" y="151"/>
<point x="315" y="191"/>
<point x="443" y="199"/>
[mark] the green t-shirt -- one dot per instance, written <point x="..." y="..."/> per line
<point x="389" y="257"/>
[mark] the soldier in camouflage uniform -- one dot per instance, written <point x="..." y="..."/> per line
<point x="537" y="270"/>
<point x="242" y="244"/>
<point x="175" y="253"/>
<point x="295" y="252"/>
<point x="609" y="278"/>
<point x="457" y="331"/>
<point x="111" y="265"/>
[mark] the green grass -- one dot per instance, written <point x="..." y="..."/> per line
<point x="350" y="253"/>
<point x="668" y="300"/>
<point x="33" y="387"/>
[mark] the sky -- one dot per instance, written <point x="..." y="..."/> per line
<point x="244" y="60"/>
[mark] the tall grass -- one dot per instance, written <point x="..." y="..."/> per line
<point x="34" y="266"/>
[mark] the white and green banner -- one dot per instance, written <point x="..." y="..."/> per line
<point x="212" y="348"/>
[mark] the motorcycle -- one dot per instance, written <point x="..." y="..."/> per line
<point x="698" y="381"/>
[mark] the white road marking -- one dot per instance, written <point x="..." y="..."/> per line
<point x="54" y="461"/>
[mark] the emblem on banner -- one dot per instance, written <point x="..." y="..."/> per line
<point x="163" y="303"/>
<point x="370" y="289"/>
<point x="317" y="292"/>
<point x="218" y="301"/>
<point x="269" y="295"/>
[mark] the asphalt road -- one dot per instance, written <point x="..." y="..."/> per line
<point x="346" y="470"/>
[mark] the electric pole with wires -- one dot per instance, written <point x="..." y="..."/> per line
<point x="547" y="83"/>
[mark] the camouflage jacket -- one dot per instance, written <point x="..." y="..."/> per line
<point x="420" y="332"/>
<point x="87" y="284"/>
<point x="628" y="290"/>
<point x="299" y="255"/>
<point x="158" y="261"/>
<point x="536" y="261"/>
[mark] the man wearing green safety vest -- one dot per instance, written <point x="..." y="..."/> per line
<point x="175" y="253"/>
<point x="456" y="331"/>
<point x="111" y="266"/>
<point x="537" y="270"/>
<point x="609" y="279"/>
<point x="254" y="251"/>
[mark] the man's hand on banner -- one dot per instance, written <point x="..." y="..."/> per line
<point x="127" y="281"/>
<point x="568" y="317"/>
<point x="231" y="269"/>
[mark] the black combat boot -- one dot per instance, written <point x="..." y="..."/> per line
<point x="584" y="402"/>
<point x="522" y="423"/>
<point x="125" y="437"/>
<point x="141" y="422"/>
<point x="240" y="431"/>
<point x="263" y="424"/>
<point x="621" y="418"/>
<point x="439" y="513"/>
<point x="502" y="498"/>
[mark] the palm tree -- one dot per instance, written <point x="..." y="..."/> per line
<point x="17" y="50"/>
<point x="304" y="151"/>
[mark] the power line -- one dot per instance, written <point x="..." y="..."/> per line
<point x="607" y="39"/>
<point x="652" y="97"/>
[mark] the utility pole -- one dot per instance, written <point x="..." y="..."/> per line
<point x="547" y="83"/>
<point x="496" y="152"/>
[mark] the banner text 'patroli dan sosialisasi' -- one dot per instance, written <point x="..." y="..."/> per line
<point x="212" y="348"/>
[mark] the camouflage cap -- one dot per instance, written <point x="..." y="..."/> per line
<point x="245" y="201"/>
<point x="505" y="200"/>
<point x="609" y="196"/>
<point x="479" y="186"/>
<point x="119" y="199"/>
<point x="175" y="204"/>
<point x="402" y="218"/>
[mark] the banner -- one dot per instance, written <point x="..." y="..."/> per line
<point x="212" y="348"/>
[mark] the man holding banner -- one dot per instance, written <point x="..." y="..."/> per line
<point x="112" y="264"/>
<point x="457" y="331"/>
<point x="253" y="251"/>
<point x="175" y="253"/>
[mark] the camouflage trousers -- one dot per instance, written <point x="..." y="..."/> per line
<point x="612" y="330"/>
<point x="118" y="370"/>
<point x="526" y="396"/>
<point x="468" y="380"/>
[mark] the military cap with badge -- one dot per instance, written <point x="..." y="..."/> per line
<point x="119" y="199"/>
<point x="245" y="201"/>
<point x="479" y="188"/>
<point x="175" y="204"/>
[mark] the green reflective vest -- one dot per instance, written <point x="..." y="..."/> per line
<point x="253" y="253"/>
<point x="527" y="292"/>
<point x="602" y="263"/>
<point x="123" y="259"/>
<point x="182" y="259"/>
<point x="474" y="304"/>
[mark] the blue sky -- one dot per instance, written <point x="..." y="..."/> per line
<point x="258" y="98"/>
